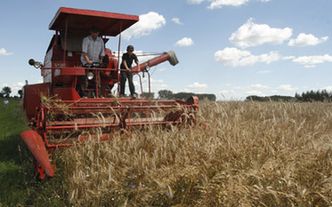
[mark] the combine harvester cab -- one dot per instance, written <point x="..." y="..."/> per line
<point x="59" y="116"/>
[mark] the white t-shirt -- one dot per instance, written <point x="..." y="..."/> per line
<point x="94" y="49"/>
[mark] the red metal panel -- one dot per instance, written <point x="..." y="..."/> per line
<point x="110" y="24"/>
<point x="74" y="71"/>
<point x="66" y="93"/>
<point x="31" y="98"/>
<point x="37" y="147"/>
<point x="150" y="63"/>
<point x="170" y="56"/>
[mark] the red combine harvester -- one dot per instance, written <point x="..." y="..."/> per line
<point x="59" y="116"/>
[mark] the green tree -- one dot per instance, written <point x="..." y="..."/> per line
<point x="311" y="96"/>
<point x="165" y="94"/>
<point x="6" y="91"/>
<point x="208" y="96"/>
<point x="147" y="95"/>
<point x="183" y="95"/>
<point x="20" y="93"/>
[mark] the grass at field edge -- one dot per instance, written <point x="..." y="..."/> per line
<point x="18" y="186"/>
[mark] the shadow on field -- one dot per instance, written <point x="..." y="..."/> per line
<point x="12" y="170"/>
<point x="10" y="149"/>
<point x="18" y="187"/>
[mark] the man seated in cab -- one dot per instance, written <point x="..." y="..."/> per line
<point x="93" y="52"/>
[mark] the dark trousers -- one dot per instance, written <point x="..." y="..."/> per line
<point x="82" y="85"/>
<point x="124" y="77"/>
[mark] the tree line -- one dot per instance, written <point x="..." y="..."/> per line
<point x="167" y="94"/>
<point x="6" y="91"/>
<point x="163" y="94"/>
<point x="308" y="96"/>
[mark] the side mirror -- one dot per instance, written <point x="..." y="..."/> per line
<point x="32" y="62"/>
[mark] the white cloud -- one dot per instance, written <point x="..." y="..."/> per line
<point x="287" y="88"/>
<point x="264" y="71"/>
<point x="17" y="86"/>
<point x="257" y="89"/>
<point x="215" y="4"/>
<point x="328" y="88"/>
<point x="142" y="56"/>
<point x="4" y="52"/>
<point x="194" y="1"/>
<point x="255" y="92"/>
<point x="251" y="34"/>
<point x="14" y="87"/>
<point x="311" y="61"/>
<point x="156" y="85"/>
<point x="147" y="23"/>
<point x="226" y="92"/>
<point x="288" y="57"/>
<point x="184" y="42"/>
<point x="258" y="86"/>
<point x="197" y="85"/>
<point x="263" y="90"/>
<point x="234" y="57"/>
<point x="177" y="21"/>
<point x="303" y="40"/>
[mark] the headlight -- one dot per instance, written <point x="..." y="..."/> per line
<point x="90" y="75"/>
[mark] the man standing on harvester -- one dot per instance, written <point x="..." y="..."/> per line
<point x="127" y="61"/>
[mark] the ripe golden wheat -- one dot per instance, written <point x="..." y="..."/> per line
<point x="238" y="154"/>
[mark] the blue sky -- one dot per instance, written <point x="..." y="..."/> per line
<point x="232" y="48"/>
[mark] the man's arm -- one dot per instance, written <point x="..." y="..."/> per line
<point x="102" y="52"/>
<point x="137" y="63"/>
<point x="86" y="58"/>
<point x="85" y="51"/>
<point x="124" y="62"/>
<point x="126" y="66"/>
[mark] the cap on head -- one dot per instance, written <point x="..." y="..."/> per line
<point x="130" y="48"/>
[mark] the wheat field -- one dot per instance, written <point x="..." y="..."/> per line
<point x="238" y="154"/>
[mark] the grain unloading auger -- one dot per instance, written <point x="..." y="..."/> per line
<point x="60" y="117"/>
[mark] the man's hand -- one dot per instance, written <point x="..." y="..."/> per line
<point x="87" y="59"/>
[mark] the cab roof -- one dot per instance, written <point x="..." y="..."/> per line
<point x="109" y="24"/>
